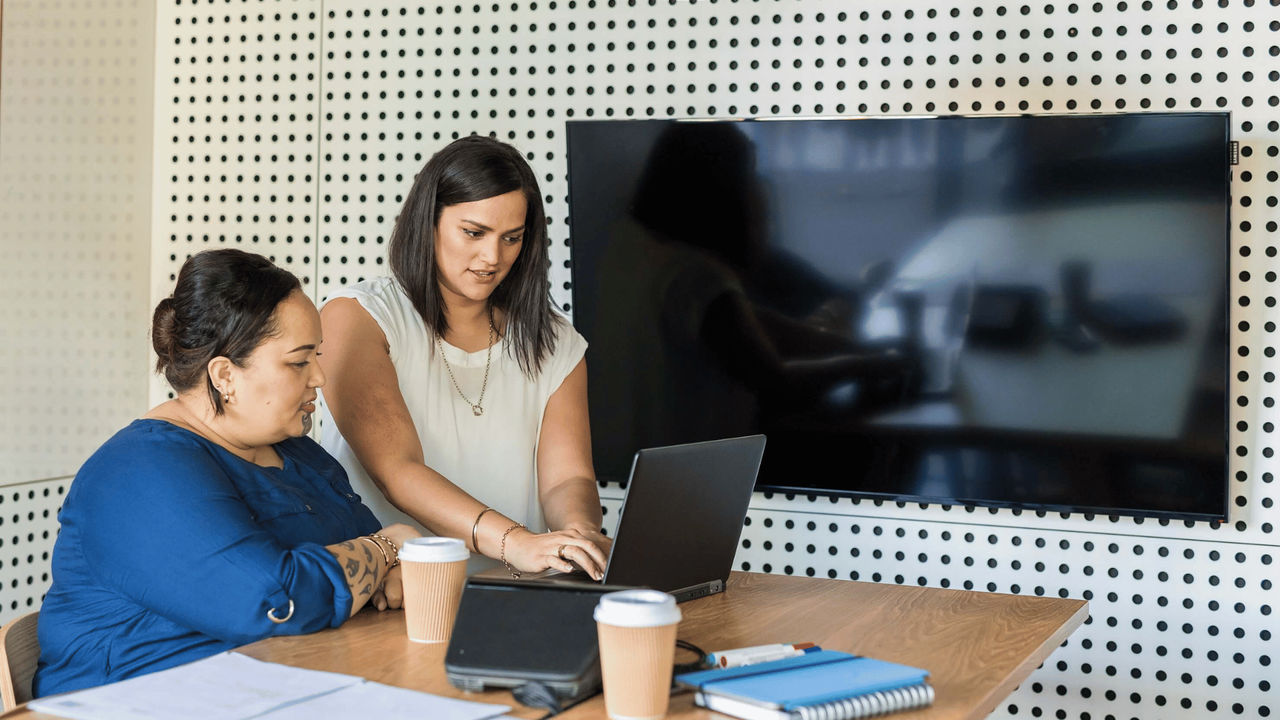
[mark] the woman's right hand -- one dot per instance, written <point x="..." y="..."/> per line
<point x="535" y="552"/>
<point x="391" y="593"/>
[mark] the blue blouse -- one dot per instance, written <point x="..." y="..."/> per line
<point x="173" y="549"/>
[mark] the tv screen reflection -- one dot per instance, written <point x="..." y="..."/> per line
<point x="1017" y="311"/>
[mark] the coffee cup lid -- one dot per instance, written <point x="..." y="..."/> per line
<point x="637" y="608"/>
<point x="433" y="549"/>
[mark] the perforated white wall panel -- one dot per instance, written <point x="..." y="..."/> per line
<point x="28" y="528"/>
<point x="1182" y="615"/>
<point x="75" y="195"/>
<point x="75" y="209"/>
<point x="237" y="103"/>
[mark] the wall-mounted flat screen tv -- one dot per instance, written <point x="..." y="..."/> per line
<point x="1025" y="312"/>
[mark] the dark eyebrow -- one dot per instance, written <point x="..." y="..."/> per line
<point x="301" y="347"/>
<point x="486" y="228"/>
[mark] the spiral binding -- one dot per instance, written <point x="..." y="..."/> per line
<point x="869" y="705"/>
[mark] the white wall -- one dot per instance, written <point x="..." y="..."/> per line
<point x="75" y="210"/>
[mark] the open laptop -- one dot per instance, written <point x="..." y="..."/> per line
<point x="681" y="518"/>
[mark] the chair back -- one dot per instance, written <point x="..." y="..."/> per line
<point x="19" y="651"/>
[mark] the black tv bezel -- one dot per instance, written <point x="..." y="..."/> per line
<point x="971" y="504"/>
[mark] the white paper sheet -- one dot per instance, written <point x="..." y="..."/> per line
<point x="384" y="702"/>
<point x="231" y="686"/>
<point x="227" y="686"/>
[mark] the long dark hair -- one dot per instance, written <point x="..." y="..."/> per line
<point x="466" y="170"/>
<point x="223" y="305"/>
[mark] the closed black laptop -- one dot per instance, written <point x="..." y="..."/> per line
<point x="509" y="633"/>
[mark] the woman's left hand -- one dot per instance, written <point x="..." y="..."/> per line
<point x="391" y="594"/>
<point x="596" y="537"/>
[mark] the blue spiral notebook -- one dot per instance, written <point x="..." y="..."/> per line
<point x="826" y="684"/>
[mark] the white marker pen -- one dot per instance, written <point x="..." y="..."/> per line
<point x="758" y="654"/>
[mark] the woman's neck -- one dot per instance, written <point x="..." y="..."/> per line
<point x="472" y="325"/>
<point x="466" y="317"/>
<point x="197" y="415"/>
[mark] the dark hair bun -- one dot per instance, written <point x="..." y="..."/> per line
<point x="163" y="339"/>
<point x="223" y="305"/>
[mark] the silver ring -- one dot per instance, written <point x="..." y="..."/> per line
<point x="560" y="552"/>
<point x="271" y="614"/>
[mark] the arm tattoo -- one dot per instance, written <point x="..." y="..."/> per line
<point x="366" y="590"/>
<point x="347" y="544"/>
<point x="353" y="567"/>
<point x="368" y="554"/>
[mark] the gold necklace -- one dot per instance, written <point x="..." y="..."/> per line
<point x="477" y="408"/>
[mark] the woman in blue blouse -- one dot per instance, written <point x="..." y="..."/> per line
<point x="213" y="521"/>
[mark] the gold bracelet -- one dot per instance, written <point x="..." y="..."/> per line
<point x="502" y="551"/>
<point x="386" y="559"/>
<point x="475" y="544"/>
<point x="395" y="551"/>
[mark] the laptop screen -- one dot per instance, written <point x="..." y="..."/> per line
<point x="683" y="513"/>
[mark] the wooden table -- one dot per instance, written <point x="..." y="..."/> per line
<point x="977" y="646"/>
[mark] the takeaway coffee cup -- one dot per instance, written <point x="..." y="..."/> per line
<point x="637" y="630"/>
<point x="434" y="569"/>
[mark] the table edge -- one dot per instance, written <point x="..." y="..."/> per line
<point x="1029" y="665"/>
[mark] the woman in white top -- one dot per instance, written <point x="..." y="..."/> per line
<point x="456" y="395"/>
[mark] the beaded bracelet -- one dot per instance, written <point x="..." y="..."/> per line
<point x="502" y="550"/>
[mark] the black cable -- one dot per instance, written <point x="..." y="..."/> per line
<point x="538" y="694"/>
<point x="697" y="664"/>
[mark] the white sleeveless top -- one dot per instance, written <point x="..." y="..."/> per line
<point x="493" y="457"/>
